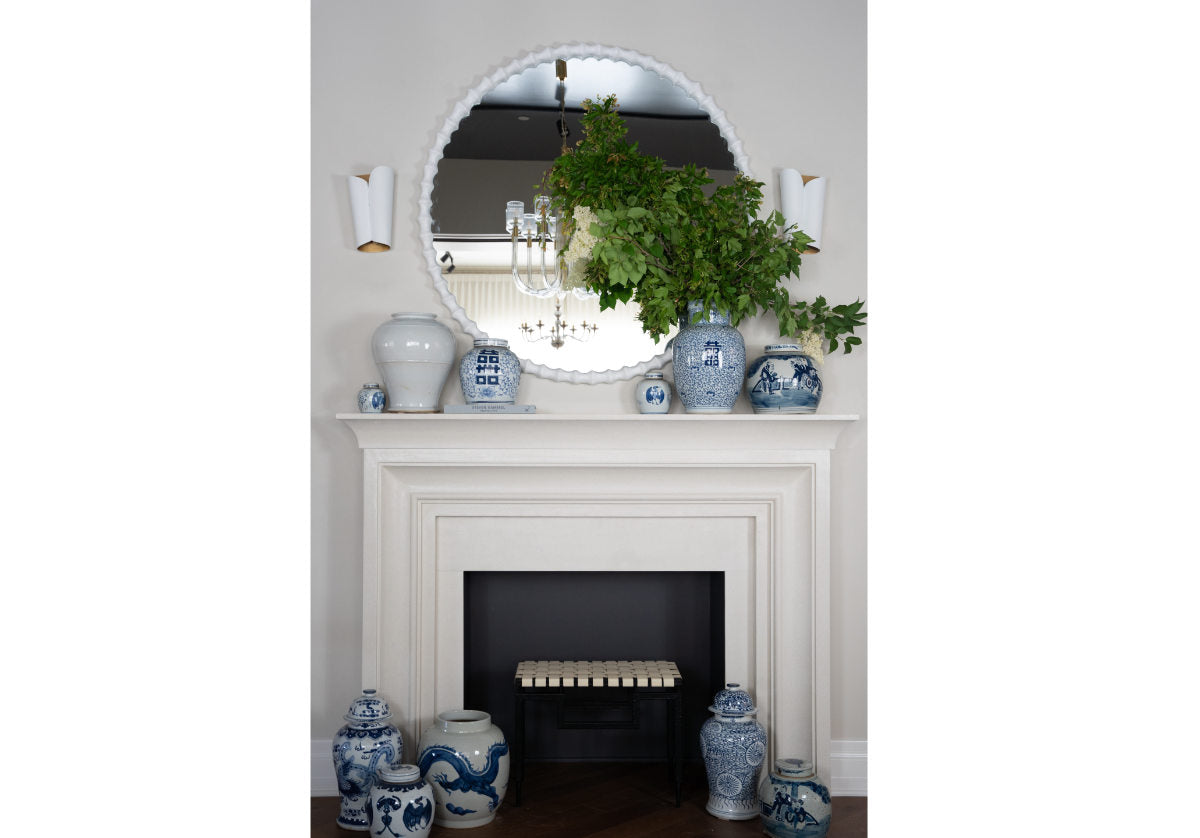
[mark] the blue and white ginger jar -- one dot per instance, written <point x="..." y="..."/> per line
<point x="734" y="746"/>
<point x="795" y="803"/>
<point x="464" y="758"/>
<point x="710" y="361"/>
<point x="783" y="380"/>
<point x="401" y="803"/>
<point x="490" y="373"/>
<point x="371" y="399"/>
<point x="360" y="747"/>
<point x="653" y="394"/>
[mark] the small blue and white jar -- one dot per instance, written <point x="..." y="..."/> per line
<point x="795" y="803"/>
<point x="783" y="380"/>
<point x="734" y="746"/>
<point x="360" y="747"/>
<point x="653" y="394"/>
<point x="401" y="803"/>
<point x="710" y="361"/>
<point x="371" y="399"/>
<point x="490" y="373"/>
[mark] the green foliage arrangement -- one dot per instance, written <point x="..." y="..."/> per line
<point x="649" y="234"/>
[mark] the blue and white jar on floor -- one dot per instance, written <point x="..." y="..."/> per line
<point x="401" y="803"/>
<point x="734" y="746"/>
<point x="464" y="758"/>
<point x="795" y="803"/>
<point x="360" y="747"/>
<point x="710" y="361"/>
<point x="371" y="399"/>
<point x="783" y="380"/>
<point x="653" y="394"/>
<point x="490" y="373"/>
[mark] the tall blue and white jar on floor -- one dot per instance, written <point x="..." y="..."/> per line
<point x="400" y="804"/>
<point x="734" y="746"/>
<point x="490" y="373"/>
<point x="783" y="380"/>
<point x="795" y="802"/>
<point x="710" y="361"/>
<point x="464" y="758"/>
<point x="366" y="743"/>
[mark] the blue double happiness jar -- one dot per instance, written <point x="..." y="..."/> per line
<point x="490" y="373"/>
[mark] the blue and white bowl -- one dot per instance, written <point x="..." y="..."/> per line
<point x="783" y="380"/>
<point x="490" y="373"/>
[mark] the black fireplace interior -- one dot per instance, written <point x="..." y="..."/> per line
<point x="652" y="615"/>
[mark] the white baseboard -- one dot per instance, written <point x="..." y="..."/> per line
<point x="848" y="777"/>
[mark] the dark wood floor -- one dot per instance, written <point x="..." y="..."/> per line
<point x="607" y="800"/>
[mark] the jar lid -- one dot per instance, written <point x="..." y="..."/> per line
<point x="370" y="385"/>
<point x="794" y="769"/>
<point x="782" y="347"/>
<point x="399" y="774"/>
<point x="501" y="342"/>
<point x="426" y="314"/>
<point x="656" y="375"/>
<point x="368" y="707"/>
<point x="733" y="701"/>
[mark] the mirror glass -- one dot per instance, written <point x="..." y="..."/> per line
<point x="499" y="153"/>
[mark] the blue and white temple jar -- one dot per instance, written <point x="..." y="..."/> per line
<point x="734" y="746"/>
<point x="400" y="804"/>
<point x="464" y="758"/>
<point x="360" y="747"/>
<point x="652" y="394"/>
<point x="371" y="399"/>
<point x="795" y="803"/>
<point x="490" y="373"/>
<point x="710" y="361"/>
<point x="783" y="380"/>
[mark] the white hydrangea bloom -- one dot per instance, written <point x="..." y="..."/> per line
<point x="579" y="249"/>
<point x="810" y="345"/>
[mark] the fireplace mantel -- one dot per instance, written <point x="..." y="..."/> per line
<point x="742" y="494"/>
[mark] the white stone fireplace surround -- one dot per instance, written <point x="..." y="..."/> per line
<point x="748" y="495"/>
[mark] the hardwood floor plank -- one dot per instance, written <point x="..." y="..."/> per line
<point x="607" y="800"/>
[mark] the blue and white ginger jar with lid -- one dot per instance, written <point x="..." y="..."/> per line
<point x="366" y="743"/>
<point x="710" y="361"/>
<point x="490" y="373"/>
<point x="652" y="394"/>
<point x="795" y="803"/>
<point x="401" y="803"/>
<point x="734" y="746"/>
<point x="783" y="380"/>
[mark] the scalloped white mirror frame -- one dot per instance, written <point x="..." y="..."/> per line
<point x="463" y="108"/>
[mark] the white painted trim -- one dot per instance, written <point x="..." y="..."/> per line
<point x="849" y="761"/>
<point x="848" y="772"/>
<point x="473" y="96"/>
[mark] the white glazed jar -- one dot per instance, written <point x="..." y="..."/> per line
<point x="401" y="803"/>
<point x="414" y="353"/>
<point x="464" y="758"/>
<point x="653" y="394"/>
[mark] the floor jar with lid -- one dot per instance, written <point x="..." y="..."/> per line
<point x="366" y="743"/>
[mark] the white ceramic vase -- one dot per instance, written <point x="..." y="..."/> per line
<point x="464" y="758"/>
<point x="414" y="353"/>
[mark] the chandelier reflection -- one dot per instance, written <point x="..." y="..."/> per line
<point x="560" y="332"/>
<point x="538" y="274"/>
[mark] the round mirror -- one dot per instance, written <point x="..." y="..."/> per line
<point x="494" y="148"/>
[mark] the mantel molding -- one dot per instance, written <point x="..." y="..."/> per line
<point x="579" y="432"/>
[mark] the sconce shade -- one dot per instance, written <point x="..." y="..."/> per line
<point x="371" y="208"/>
<point x="802" y="202"/>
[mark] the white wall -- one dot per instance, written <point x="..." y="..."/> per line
<point x="790" y="76"/>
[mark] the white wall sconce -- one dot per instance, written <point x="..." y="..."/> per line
<point x="802" y="202"/>
<point x="371" y="208"/>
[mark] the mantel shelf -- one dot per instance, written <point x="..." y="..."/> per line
<point x="581" y="431"/>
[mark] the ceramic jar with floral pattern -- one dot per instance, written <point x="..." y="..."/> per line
<point x="710" y="361"/>
<point x="734" y="746"/>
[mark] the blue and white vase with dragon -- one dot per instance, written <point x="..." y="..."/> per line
<point x="794" y="801"/>
<point x="710" y="361"/>
<point x="400" y="804"/>
<point x="465" y="760"/>
<point x="734" y="746"/>
<point x="366" y="743"/>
